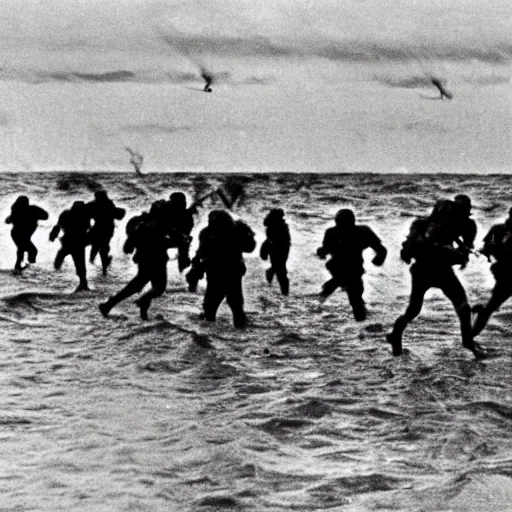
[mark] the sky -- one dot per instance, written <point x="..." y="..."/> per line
<point x="299" y="85"/>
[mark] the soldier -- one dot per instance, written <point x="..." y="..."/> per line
<point x="497" y="247"/>
<point x="219" y="255"/>
<point x="466" y="225"/>
<point x="147" y="237"/>
<point x="76" y="224"/>
<point x="345" y="242"/>
<point x="180" y="224"/>
<point x="104" y="212"/>
<point x="24" y="217"/>
<point x="431" y="244"/>
<point x="277" y="247"/>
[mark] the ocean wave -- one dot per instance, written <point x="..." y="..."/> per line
<point x="74" y="182"/>
<point x="278" y="425"/>
<point x="313" y="408"/>
<point x="219" y="501"/>
<point x="308" y="410"/>
<point x="489" y="406"/>
<point x="26" y="296"/>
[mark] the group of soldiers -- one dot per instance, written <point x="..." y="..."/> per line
<point x="434" y="245"/>
<point x="167" y="224"/>
<point x="77" y="232"/>
<point x="437" y="243"/>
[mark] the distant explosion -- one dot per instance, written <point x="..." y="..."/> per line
<point x="136" y="160"/>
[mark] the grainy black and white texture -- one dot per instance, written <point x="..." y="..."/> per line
<point x="306" y="409"/>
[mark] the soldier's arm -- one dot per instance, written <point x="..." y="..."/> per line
<point x="119" y="213"/>
<point x="287" y="236"/>
<point x="414" y="237"/>
<point x="60" y="223"/>
<point x="248" y="241"/>
<point x="40" y="213"/>
<point x="202" y="247"/>
<point x="489" y="242"/>
<point x="326" y="246"/>
<point x="54" y="233"/>
<point x="375" y="243"/>
<point x="188" y="225"/>
<point x="129" y="245"/>
<point x="264" y="250"/>
<point x="469" y="234"/>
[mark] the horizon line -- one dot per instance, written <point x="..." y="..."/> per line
<point x="248" y="173"/>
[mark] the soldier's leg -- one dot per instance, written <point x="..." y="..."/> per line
<point x="32" y="251"/>
<point x="355" y="289"/>
<point x="95" y="249"/>
<point x="235" y="300"/>
<point x="158" y="286"/>
<point x="453" y="289"/>
<point x="214" y="295"/>
<point x="419" y="287"/>
<point x="61" y="255"/>
<point x="105" y="257"/>
<point x="20" y="254"/>
<point x="500" y="293"/>
<point x="279" y="267"/>
<point x="30" y="248"/>
<point x="183" y="256"/>
<point x="194" y="275"/>
<point x="269" y="274"/>
<point x="20" y="243"/>
<point x="134" y="286"/>
<point x="329" y="287"/>
<point x="78" y="255"/>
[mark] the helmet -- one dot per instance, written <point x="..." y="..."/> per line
<point x="274" y="215"/>
<point x="345" y="219"/>
<point x="464" y="203"/>
<point x="178" y="199"/>
<point x="158" y="211"/>
<point x="220" y="219"/>
<point x="100" y="196"/>
<point x="21" y="201"/>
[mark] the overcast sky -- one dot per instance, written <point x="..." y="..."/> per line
<point x="319" y="85"/>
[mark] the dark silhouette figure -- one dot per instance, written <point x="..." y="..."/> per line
<point x="345" y="242"/>
<point x="277" y="247"/>
<point x="24" y="217"/>
<point x="432" y="244"/>
<point x="76" y="224"/>
<point x="180" y="223"/>
<point x="103" y="212"/>
<point x="498" y="249"/>
<point x="208" y="79"/>
<point x="442" y="90"/>
<point x="147" y="237"/>
<point x="466" y="225"/>
<point x="219" y="255"/>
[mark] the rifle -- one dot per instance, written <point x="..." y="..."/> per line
<point x="228" y="193"/>
<point x="469" y="250"/>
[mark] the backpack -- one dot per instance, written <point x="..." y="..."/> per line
<point x="415" y="240"/>
<point x="432" y="241"/>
